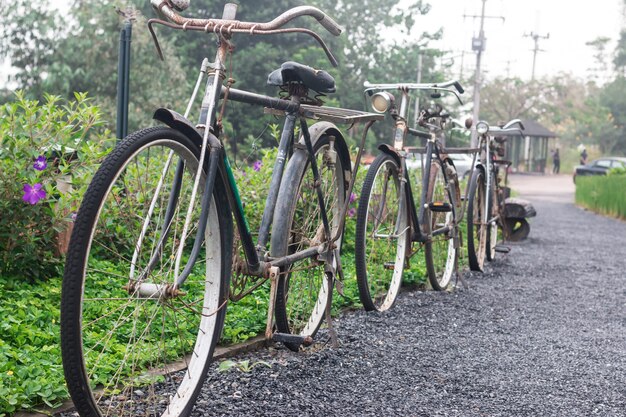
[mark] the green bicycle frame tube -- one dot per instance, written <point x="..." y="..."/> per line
<point x="240" y="218"/>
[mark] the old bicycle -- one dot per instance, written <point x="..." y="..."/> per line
<point x="147" y="276"/>
<point x="389" y="222"/>
<point x="486" y="196"/>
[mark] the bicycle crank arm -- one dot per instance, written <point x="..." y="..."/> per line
<point x="298" y="256"/>
<point x="443" y="231"/>
<point x="292" y="339"/>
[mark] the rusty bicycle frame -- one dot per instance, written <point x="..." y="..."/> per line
<point x="433" y="148"/>
<point x="489" y="165"/>
<point x="206" y="132"/>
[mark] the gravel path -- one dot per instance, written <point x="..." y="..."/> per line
<point x="541" y="333"/>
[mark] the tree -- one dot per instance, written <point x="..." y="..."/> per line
<point x="27" y="40"/>
<point x="504" y="99"/>
<point x="613" y="138"/>
<point x="83" y="57"/>
<point x="601" y="69"/>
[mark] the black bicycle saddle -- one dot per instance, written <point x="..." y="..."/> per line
<point x="292" y="72"/>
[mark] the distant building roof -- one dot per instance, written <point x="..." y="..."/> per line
<point x="534" y="129"/>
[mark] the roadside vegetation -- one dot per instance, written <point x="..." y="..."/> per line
<point x="603" y="194"/>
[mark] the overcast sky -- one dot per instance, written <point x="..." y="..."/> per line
<point x="570" y="25"/>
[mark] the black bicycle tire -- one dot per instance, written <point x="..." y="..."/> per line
<point x="283" y="218"/>
<point x="72" y="287"/>
<point x="361" y="241"/>
<point x="436" y="165"/>
<point x="490" y="252"/>
<point x="473" y="253"/>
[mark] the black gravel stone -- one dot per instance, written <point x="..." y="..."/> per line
<point x="541" y="333"/>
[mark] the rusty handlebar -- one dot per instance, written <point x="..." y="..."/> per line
<point x="168" y="9"/>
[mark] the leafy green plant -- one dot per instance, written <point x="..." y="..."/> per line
<point x="243" y="366"/>
<point x="47" y="151"/>
<point x="30" y="356"/>
<point x="617" y="171"/>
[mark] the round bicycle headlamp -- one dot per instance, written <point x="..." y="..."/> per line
<point x="482" y="128"/>
<point x="382" y="101"/>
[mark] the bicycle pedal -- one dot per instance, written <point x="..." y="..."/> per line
<point x="390" y="265"/>
<point x="440" y="207"/>
<point x="503" y="249"/>
<point x="293" y="339"/>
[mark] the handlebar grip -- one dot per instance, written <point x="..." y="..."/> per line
<point x="330" y="25"/>
<point x="458" y="87"/>
<point x="514" y="122"/>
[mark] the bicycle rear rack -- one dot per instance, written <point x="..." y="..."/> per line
<point x="331" y="114"/>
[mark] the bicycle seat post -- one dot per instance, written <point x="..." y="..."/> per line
<point x="230" y="11"/>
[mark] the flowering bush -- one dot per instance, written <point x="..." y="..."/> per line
<point x="45" y="159"/>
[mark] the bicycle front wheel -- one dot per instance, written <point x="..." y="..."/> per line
<point x="382" y="235"/>
<point x="492" y="228"/>
<point x="132" y="344"/>
<point x="439" y="251"/>
<point x="476" y="228"/>
<point x="304" y="290"/>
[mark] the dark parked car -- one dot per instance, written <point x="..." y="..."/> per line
<point x="600" y="166"/>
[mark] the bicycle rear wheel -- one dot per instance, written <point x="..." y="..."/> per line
<point x="382" y="235"/>
<point x="130" y="345"/>
<point x="476" y="231"/>
<point x="304" y="290"/>
<point x="439" y="251"/>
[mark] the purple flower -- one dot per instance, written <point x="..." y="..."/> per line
<point x="73" y="216"/>
<point x="351" y="212"/>
<point x="34" y="193"/>
<point x="257" y="166"/>
<point x="352" y="198"/>
<point x="40" y="163"/>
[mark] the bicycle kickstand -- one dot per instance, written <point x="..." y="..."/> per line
<point x="269" y="323"/>
<point x="269" y="326"/>
<point x="330" y="276"/>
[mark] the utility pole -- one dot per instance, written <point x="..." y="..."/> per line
<point x="419" y="80"/>
<point x="478" y="45"/>
<point x="536" y="37"/>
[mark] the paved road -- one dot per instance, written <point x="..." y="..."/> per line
<point x="540" y="188"/>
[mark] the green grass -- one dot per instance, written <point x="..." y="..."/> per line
<point x="30" y="355"/>
<point x="602" y="194"/>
